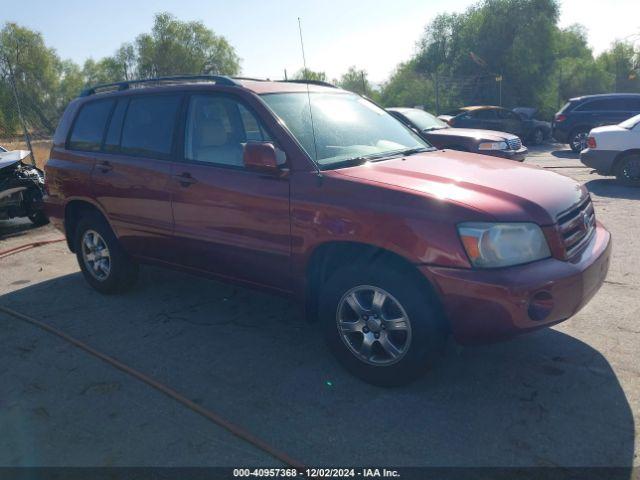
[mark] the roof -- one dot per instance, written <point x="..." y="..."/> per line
<point x="605" y="95"/>
<point x="479" y="107"/>
<point x="204" y="81"/>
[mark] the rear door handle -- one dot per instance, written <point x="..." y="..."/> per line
<point x="185" y="179"/>
<point x="105" y="166"/>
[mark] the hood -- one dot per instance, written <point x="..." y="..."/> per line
<point x="503" y="189"/>
<point x="478" y="134"/>
<point x="12" y="157"/>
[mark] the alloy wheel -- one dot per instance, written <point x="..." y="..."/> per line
<point x="373" y="325"/>
<point x="579" y="141"/>
<point x="631" y="169"/>
<point x="95" y="255"/>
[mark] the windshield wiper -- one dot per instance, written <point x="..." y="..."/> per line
<point x="372" y="157"/>
<point x="411" y="151"/>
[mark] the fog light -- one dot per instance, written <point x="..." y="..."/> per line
<point x="540" y="306"/>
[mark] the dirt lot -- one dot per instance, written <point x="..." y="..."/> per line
<point x="568" y="396"/>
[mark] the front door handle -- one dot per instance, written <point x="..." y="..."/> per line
<point x="105" y="166"/>
<point x="185" y="179"/>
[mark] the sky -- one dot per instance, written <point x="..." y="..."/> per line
<point x="372" y="35"/>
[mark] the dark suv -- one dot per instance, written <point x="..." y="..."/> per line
<point x="318" y="194"/>
<point x="579" y="115"/>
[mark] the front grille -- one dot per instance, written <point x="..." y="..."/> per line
<point x="577" y="226"/>
<point x="514" y="143"/>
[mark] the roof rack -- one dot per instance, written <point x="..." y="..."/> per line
<point x="311" y="82"/>
<point x="126" y="85"/>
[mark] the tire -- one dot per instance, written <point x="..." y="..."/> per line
<point x="537" y="137"/>
<point x="38" y="218"/>
<point x="628" y="170"/>
<point x="578" y="139"/>
<point x="416" y="347"/>
<point x="116" y="275"/>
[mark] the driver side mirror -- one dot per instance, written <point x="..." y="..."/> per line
<point x="260" y="156"/>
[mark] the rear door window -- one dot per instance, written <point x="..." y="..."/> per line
<point x="88" y="129"/>
<point x="149" y="125"/>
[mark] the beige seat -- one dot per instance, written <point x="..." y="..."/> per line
<point x="211" y="143"/>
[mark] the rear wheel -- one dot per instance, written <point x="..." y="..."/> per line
<point x="104" y="264"/>
<point x="381" y="323"/>
<point x="537" y="137"/>
<point x="578" y="139"/>
<point x="628" y="170"/>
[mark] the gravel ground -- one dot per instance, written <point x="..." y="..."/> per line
<point x="568" y="395"/>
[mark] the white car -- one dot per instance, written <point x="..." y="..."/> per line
<point x="615" y="150"/>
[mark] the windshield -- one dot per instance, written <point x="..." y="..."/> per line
<point x="423" y="120"/>
<point x="630" y="123"/>
<point x="347" y="127"/>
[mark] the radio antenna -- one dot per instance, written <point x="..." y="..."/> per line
<point x="306" y="72"/>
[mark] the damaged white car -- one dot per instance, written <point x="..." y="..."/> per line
<point x="21" y="188"/>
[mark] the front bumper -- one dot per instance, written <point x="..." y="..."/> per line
<point x="600" y="160"/>
<point x="517" y="155"/>
<point x="483" y="306"/>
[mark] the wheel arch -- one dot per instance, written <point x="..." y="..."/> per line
<point x="328" y="257"/>
<point x="73" y="211"/>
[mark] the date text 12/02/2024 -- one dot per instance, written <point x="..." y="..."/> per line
<point x="316" y="472"/>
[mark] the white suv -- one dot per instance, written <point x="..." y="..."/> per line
<point x="615" y="150"/>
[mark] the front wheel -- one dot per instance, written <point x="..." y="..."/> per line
<point x="381" y="323"/>
<point x="38" y="218"/>
<point x="628" y="170"/>
<point x="578" y="139"/>
<point x="104" y="264"/>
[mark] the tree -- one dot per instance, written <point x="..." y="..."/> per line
<point x="355" y="81"/>
<point x="408" y="88"/>
<point x="174" y="47"/>
<point x="307" y="74"/>
<point x="619" y="62"/>
<point x="36" y="70"/>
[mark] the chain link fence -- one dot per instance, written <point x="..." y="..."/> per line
<point x="23" y="125"/>
<point x="452" y="92"/>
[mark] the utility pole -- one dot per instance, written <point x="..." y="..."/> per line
<point x="437" y="95"/>
<point x="364" y="85"/>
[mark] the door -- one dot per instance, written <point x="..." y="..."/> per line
<point x="132" y="172"/>
<point x="509" y="121"/>
<point x="229" y="220"/>
<point x="483" y="118"/>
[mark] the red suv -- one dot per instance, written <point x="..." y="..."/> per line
<point x="316" y="193"/>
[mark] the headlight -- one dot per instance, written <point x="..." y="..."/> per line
<point x="493" y="146"/>
<point x="490" y="245"/>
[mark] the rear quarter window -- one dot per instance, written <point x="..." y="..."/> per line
<point x="88" y="128"/>
<point x="149" y="125"/>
